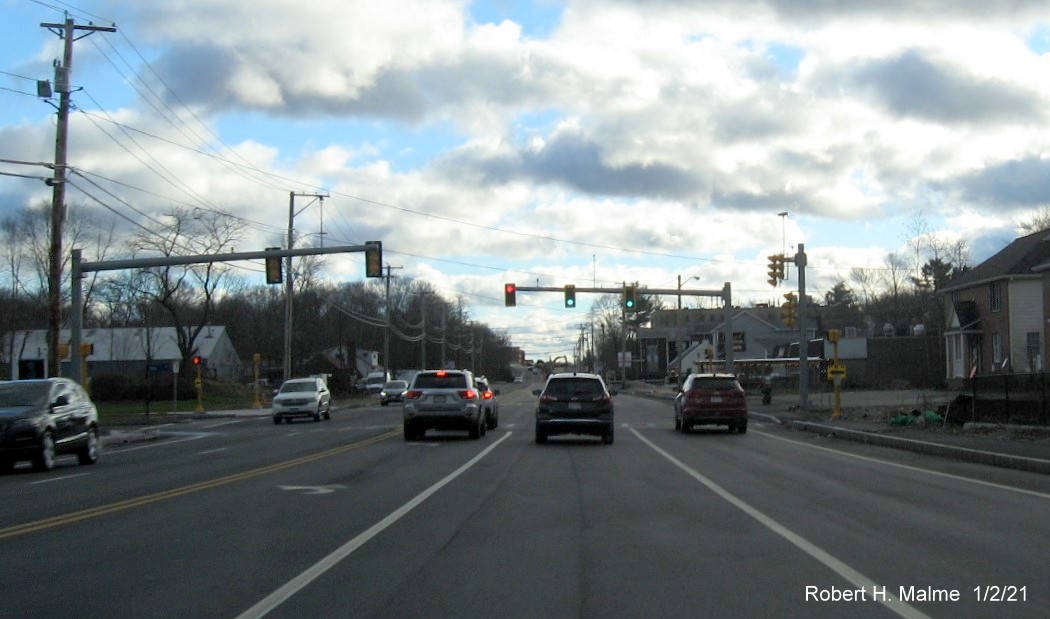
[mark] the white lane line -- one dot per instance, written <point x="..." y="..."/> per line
<point x="211" y="451"/>
<point x="971" y="480"/>
<point x="851" y="575"/>
<point x="62" y="478"/>
<point x="275" y="599"/>
<point x="221" y="423"/>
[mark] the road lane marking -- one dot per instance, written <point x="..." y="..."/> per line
<point x="63" y="478"/>
<point x="102" y="510"/>
<point x="845" y="571"/>
<point x="222" y="423"/>
<point x="971" y="480"/>
<point x="275" y="599"/>
<point x="211" y="451"/>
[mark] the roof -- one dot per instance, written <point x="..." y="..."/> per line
<point x="1019" y="258"/>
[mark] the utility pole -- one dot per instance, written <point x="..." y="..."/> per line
<point x="288" y="288"/>
<point x="386" y="329"/>
<point x="803" y="337"/>
<point x="63" y="73"/>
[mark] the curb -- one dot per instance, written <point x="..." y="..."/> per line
<point x="1034" y="465"/>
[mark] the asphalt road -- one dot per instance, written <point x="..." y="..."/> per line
<point x="244" y="518"/>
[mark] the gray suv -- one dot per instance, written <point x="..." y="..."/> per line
<point x="574" y="403"/>
<point x="443" y="400"/>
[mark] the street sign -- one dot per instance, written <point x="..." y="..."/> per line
<point x="836" y="371"/>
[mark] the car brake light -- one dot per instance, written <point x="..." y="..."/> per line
<point x="547" y="398"/>
<point x="487" y="395"/>
<point x="601" y="398"/>
<point x="442" y="373"/>
<point x="414" y="394"/>
<point x="468" y="394"/>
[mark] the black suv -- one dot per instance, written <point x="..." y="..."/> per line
<point x="40" y="419"/>
<point x="574" y="403"/>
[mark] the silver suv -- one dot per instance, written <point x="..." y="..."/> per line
<point x="302" y="397"/>
<point x="443" y="400"/>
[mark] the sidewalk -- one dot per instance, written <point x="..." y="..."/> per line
<point x="866" y="416"/>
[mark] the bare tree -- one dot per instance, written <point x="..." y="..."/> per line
<point x="1035" y="222"/>
<point x="187" y="293"/>
<point x="896" y="273"/>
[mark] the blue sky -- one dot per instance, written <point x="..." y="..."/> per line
<point x="564" y="142"/>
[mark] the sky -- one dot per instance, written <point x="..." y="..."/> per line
<point x="552" y="142"/>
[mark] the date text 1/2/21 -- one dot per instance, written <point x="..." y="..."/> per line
<point x="1001" y="593"/>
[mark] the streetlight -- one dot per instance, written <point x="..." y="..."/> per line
<point x="678" y="327"/>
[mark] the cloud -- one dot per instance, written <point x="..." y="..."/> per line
<point x="913" y="84"/>
<point x="1021" y="183"/>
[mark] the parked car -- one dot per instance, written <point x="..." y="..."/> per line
<point x="42" y="419"/>
<point x="443" y="400"/>
<point x="489" y="403"/>
<point x="302" y="397"/>
<point x="710" y="399"/>
<point x="574" y="403"/>
<point x="393" y="391"/>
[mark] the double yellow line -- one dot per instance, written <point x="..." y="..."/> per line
<point x="102" y="510"/>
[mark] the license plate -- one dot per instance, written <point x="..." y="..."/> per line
<point x="575" y="406"/>
<point x="716" y="399"/>
<point x="439" y="399"/>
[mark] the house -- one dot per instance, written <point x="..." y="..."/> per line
<point x="996" y="313"/>
<point x="124" y="351"/>
<point x="757" y="333"/>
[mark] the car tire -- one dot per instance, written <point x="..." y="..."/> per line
<point x="412" y="433"/>
<point x="541" y="436"/>
<point x="686" y="427"/>
<point x="476" y="429"/>
<point x="607" y="438"/>
<point x="317" y="414"/>
<point x="677" y="423"/>
<point x="44" y="460"/>
<point x="277" y="421"/>
<point x="742" y="428"/>
<point x="382" y="402"/>
<point x="328" y="414"/>
<point x="89" y="453"/>
<point x="6" y="464"/>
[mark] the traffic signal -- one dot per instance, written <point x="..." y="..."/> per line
<point x="776" y="269"/>
<point x="274" y="268"/>
<point x="196" y="359"/>
<point x="509" y="295"/>
<point x="374" y="259"/>
<point x="630" y="298"/>
<point x="789" y="310"/>
<point x="570" y="295"/>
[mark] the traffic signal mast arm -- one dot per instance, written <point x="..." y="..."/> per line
<point x="723" y="293"/>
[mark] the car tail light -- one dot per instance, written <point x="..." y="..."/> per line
<point x="601" y="399"/>
<point x="468" y="394"/>
<point x="414" y="394"/>
<point x="547" y="398"/>
<point x="487" y="395"/>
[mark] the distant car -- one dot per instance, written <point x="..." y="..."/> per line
<point x="710" y="399"/>
<point x="574" y="403"/>
<point x="393" y="391"/>
<point x="302" y="397"/>
<point x="489" y="403"/>
<point x="42" y="419"/>
<point x="443" y="400"/>
<point x="518" y="378"/>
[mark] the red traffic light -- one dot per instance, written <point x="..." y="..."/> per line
<point x="510" y="292"/>
<point x="196" y="359"/>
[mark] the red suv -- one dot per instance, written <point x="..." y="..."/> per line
<point x="710" y="399"/>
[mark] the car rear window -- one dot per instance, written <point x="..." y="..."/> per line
<point x="440" y="381"/>
<point x="717" y="384"/>
<point x="574" y="387"/>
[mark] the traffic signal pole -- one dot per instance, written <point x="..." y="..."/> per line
<point x="803" y="337"/>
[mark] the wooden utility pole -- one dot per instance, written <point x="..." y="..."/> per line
<point x="63" y="73"/>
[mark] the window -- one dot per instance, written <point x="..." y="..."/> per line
<point x="995" y="296"/>
<point x="997" y="348"/>
<point x="1033" y="350"/>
